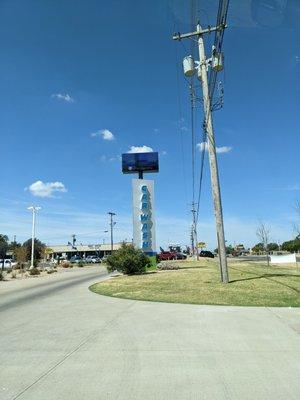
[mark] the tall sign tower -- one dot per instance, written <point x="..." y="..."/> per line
<point x="144" y="236"/>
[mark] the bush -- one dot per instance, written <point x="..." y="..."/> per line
<point x="80" y="264"/>
<point x="21" y="266"/>
<point x="50" y="270"/>
<point x="34" y="271"/>
<point x="66" y="264"/>
<point x="13" y="274"/>
<point x="1" y="276"/>
<point x="129" y="260"/>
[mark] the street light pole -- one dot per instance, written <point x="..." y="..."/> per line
<point x="103" y="239"/>
<point x="112" y="223"/>
<point x="34" y="210"/>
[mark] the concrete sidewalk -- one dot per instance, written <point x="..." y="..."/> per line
<point x="74" y="344"/>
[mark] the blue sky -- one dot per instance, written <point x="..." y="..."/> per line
<point x="72" y="71"/>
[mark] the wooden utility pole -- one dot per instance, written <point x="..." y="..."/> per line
<point x="215" y="185"/>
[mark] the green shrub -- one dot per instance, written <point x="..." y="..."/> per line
<point x="1" y="276"/>
<point x="80" y="264"/>
<point x="129" y="260"/>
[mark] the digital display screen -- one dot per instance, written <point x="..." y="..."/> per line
<point x="135" y="162"/>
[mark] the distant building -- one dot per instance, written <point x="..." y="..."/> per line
<point x="82" y="250"/>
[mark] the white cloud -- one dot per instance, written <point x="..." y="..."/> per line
<point x="46" y="189"/>
<point x="202" y="146"/>
<point x="104" y="133"/>
<point x="223" y="149"/>
<point x="56" y="221"/>
<point x="105" y="158"/>
<point x="140" y="149"/>
<point x="64" y="97"/>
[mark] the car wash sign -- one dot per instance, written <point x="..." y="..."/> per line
<point x="143" y="215"/>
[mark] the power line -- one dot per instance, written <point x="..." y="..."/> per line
<point x="201" y="172"/>
<point x="218" y="42"/>
<point x="179" y="105"/>
<point x="193" y="142"/>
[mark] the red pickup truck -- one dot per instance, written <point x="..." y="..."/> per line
<point x="170" y="255"/>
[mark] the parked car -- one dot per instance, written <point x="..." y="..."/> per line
<point x="181" y="256"/>
<point x="8" y="263"/>
<point x="170" y="255"/>
<point x="76" y="259"/>
<point x="205" y="253"/>
<point x="92" y="260"/>
<point x="166" y="255"/>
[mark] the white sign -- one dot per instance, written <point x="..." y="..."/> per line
<point x="284" y="259"/>
<point x="143" y="215"/>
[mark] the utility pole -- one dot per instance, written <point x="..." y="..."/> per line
<point x="73" y="240"/>
<point x="194" y="232"/>
<point x="192" y="240"/>
<point x="34" y="210"/>
<point x="202" y="75"/>
<point x="112" y="223"/>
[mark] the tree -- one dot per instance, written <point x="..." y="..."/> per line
<point x="273" y="247"/>
<point x="13" y="246"/>
<point x="292" y="245"/>
<point x="3" y="248"/>
<point x="3" y="238"/>
<point x="3" y="251"/>
<point x="229" y="250"/>
<point x="263" y="233"/>
<point x="21" y="254"/>
<point x="39" y="249"/>
<point x="258" y="248"/>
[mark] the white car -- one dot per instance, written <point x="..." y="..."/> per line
<point x="7" y="263"/>
<point x="92" y="259"/>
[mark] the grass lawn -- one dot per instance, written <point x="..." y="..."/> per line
<point x="251" y="284"/>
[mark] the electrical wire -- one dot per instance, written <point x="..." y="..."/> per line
<point x="218" y="42"/>
<point x="201" y="172"/>
<point x="193" y="140"/>
<point x="179" y="105"/>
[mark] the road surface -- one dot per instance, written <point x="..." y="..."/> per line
<point x="60" y="341"/>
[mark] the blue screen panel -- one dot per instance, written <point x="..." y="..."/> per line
<point x="135" y="162"/>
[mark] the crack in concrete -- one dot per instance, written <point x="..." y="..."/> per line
<point x="68" y="355"/>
